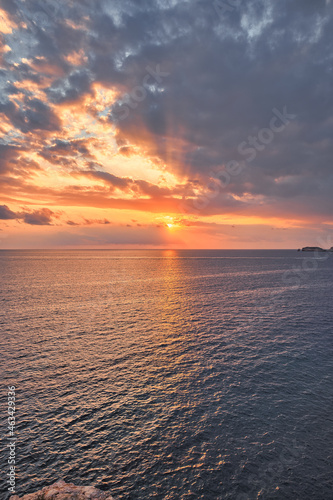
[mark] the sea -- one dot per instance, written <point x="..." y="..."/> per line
<point x="169" y="374"/>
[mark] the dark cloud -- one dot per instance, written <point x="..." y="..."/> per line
<point x="126" y="150"/>
<point x="88" y="222"/>
<point x="14" y="163"/>
<point x="42" y="217"/>
<point x="31" y="115"/>
<point x="112" y="180"/>
<point x="70" y="89"/>
<point x="6" y="213"/>
<point x="138" y="187"/>
<point x="8" y="157"/>
<point x="9" y="6"/>
<point x="65" y="152"/>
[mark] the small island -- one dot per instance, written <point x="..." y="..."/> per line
<point x="316" y="249"/>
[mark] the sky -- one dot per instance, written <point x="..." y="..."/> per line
<point x="166" y="123"/>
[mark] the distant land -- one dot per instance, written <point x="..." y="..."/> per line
<point x="315" y="249"/>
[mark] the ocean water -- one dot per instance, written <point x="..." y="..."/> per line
<point x="170" y="374"/>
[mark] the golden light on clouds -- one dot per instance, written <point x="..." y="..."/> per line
<point x="6" y="25"/>
<point x="111" y="133"/>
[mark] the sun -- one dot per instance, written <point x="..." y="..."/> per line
<point x="169" y="222"/>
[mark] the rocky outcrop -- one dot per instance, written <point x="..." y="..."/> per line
<point x="65" y="491"/>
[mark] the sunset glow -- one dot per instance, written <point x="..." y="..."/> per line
<point x="112" y="139"/>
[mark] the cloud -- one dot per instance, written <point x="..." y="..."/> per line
<point x="30" y="115"/>
<point x="110" y="179"/>
<point x="6" y="213"/>
<point x="126" y="184"/>
<point x="71" y="89"/>
<point x="41" y="217"/>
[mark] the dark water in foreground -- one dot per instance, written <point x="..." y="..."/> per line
<point x="171" y="374"/>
